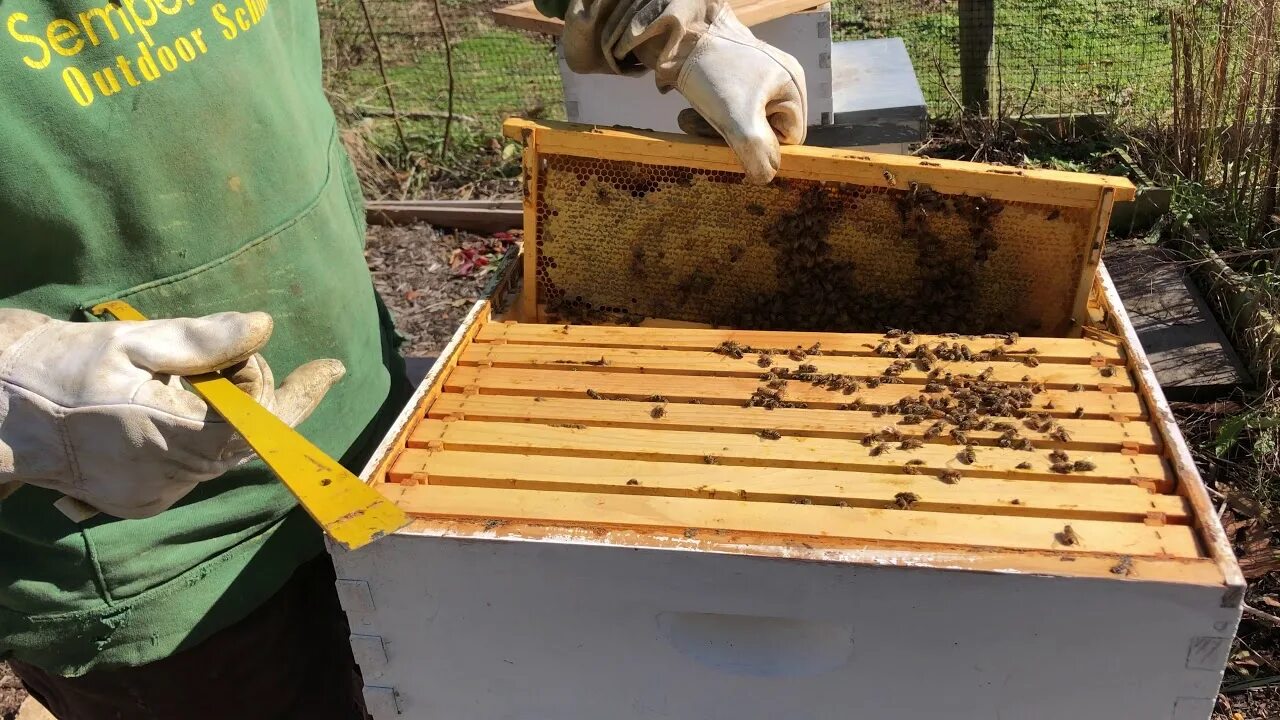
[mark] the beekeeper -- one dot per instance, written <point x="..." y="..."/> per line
<point x="180" y="155"/>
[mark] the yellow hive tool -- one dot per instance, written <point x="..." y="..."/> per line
<point x="350" y="512"/>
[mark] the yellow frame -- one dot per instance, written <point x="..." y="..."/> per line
<point x="1098" y="193"/>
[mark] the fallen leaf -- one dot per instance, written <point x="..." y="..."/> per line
<point x="1244" y="504"/>
<point x="412" y="295"/>
<point x="1256" y="555"/>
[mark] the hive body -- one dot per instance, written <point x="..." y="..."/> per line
<point x="623" y="511"/>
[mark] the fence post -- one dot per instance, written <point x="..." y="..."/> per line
<point x="977" y="38"/>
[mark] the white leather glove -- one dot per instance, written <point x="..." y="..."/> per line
<point x="97" y="411"/>
<point x="749" y="93"/>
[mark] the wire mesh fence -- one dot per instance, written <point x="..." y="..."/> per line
<point x="1047" y="56"/>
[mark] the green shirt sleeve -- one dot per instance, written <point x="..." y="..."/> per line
<point x="552" y="8"/>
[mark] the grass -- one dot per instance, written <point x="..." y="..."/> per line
<point x="1073" y="56"/>
<point x="1053" y="56"/>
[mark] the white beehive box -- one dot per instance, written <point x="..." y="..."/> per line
<point x="583" y="550"/>
<point x="636" y="102"/>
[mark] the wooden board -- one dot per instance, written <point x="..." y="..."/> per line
<point x="1085" y="434"/>
<point x="787" y="485"/>
<point x="645" y="427"/>
<point x="524" y="16"/>
<point x="566" y="382"/>
<point x="680" y="362"/>
<point x="803" y="520"/>
<point x="1049" y="187"/>
<point x="797" y="452"/>
<point x="650" y="335"/>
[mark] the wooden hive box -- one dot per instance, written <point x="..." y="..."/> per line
<point x="625" y="509"/>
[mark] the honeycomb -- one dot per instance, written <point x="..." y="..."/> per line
<point x="624" y="240"/>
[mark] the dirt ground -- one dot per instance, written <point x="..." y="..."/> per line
<point x="429" y="279"/>
<point x="11" y="693"/>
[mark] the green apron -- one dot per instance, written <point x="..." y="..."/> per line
<point x="181" y="155"/>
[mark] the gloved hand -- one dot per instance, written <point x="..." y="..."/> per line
<point x="97" y="412"/>
<point x="749" y="93"/>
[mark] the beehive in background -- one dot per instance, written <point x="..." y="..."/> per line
<point x="843" y="242"/>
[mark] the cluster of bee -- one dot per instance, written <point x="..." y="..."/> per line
<point x="1063" y="464"/>
<point x="905" y="500"/>
<point x="953" y="404"/>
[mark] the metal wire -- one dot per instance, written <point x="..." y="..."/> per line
<point x="1049" y="56"/>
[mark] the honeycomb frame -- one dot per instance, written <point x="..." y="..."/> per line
<point x="627" y="224"/>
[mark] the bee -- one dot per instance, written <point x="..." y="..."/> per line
<point x="796" y="354"/>
<point x="959" y="437"/>
<point x="873" y="382"/>
<point x="1060" y="434"/>
<point x="658" y="412"/>
<point x="729" y="348"/>
<point x="893" y="333"/>
<point x="911" y="419"/>
<point x="1004" y="426"/>
<point x="1062" y="468"/>
<point x="633" y="481"/>
<point x="1079" y="413"/>
<point x="807" y="369"/>
<point x="764" y="360"/>
<point x="934" y="430"/>
<point x="890" y="177"/>
<point x="967" y="456"/>
<point x="933" y="387"/>
<point x="1026" y="378"/>
<point x="1107" y="371"/>
<point x="1124" y="567"/>
<point x="769" y="435"/>
<point x="911" y="444"/>
<point x="1059" y="456"/>
<point x="1031" y="361"/>
<point x="910" y="469"/>
<point x="985" y="375"/>
<point x="1068" y="536"/>
<point x="1077" y="388"/>
<point x="890" y="433"/>
<point x="594" y="395"/>
<point x="1083" y="466"/>
<point x="1024" y="465"/>
<point x="904" y="500"/>
<point x="880" y="449"/>
<point x="1054" y="214"/>
<point x="1011" y="338"/>
<point x="711" y="459"/>
<point x="908" y="339"/>
<point x="882" y="348"/>
<point x="1024" y="444"/>
<point x="777" y="383"/>
<point x="1037" y="388"/>
<point x="802" y="501"/>
<point x="950" y="477"/>
<point x="815" y="349"/>
<point x="657" y="399"/>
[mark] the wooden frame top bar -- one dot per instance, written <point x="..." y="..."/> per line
<point x="1049" y="187"/>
